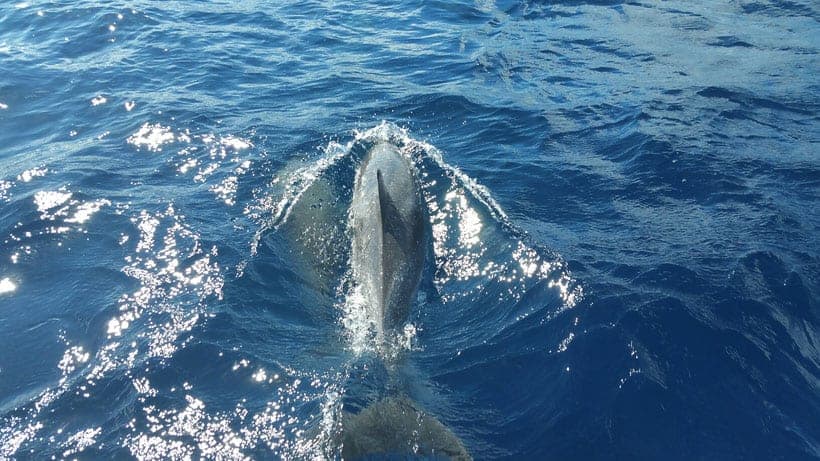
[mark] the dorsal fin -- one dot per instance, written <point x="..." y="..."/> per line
<point x="384" y="218"/>
<point x="393" y="240"/>
<point x="390" y="217"/>
<point x="383" y="197"/>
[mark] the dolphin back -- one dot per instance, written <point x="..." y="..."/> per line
<point x="389" y="235"/>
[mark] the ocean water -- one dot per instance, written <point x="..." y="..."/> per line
<point x="622" y="197"/>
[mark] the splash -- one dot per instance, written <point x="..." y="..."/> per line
<point x="475" y="247"/>
<point x="470" y="229"/>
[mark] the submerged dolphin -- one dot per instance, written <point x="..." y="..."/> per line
<point x="389" y="241"/>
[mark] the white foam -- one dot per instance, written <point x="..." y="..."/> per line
<point x="7" y="286"/>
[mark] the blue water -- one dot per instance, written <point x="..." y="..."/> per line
<point x="623" y="199"/>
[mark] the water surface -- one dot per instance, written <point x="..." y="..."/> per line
<point x="622" y="198"/>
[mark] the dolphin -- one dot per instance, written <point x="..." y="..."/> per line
<point x="389" y="238"/>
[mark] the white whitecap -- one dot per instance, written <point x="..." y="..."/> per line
<point x="7" y="286"/>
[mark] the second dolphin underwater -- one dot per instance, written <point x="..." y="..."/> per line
<point x="389" y="235"/>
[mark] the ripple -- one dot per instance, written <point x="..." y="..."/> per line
<point x="627" y="230"/>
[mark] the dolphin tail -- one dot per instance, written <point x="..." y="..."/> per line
<point x="395" y="427"/>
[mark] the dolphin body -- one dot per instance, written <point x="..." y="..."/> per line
<point x="389" y="236"/>
<point x="388" y="247"/>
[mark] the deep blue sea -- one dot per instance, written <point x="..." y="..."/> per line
<point x="623" y="202"/>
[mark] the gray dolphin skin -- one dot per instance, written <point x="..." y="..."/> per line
<point x="389" y="240"/>
<point x="389" y="236"/>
